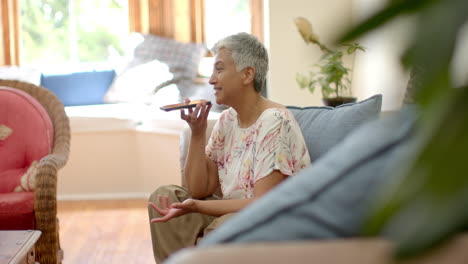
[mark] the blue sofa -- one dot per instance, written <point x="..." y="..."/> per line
<point x="317" y="216"/>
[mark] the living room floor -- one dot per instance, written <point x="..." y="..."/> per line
<point x="110" y="231"/>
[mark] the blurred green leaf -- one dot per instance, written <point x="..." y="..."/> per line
<point x="433" y="46"/>
<point x="393" y="9"/>
<point x="431" y="202"/>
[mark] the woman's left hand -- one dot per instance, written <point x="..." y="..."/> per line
<point x="169" y="211"/>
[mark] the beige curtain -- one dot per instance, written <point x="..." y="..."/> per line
<point x="9" y="32"/>
<point x="178" y="19"/>
<point x="182" y="20"/>
<point x="256" y="9"/>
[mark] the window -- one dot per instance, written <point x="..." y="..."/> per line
<point x="71" y="31"/>
<point x="224" y="18"/>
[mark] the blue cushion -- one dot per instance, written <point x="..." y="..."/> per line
<point x="333" y="196"/>
<point x="325" y="127"/>
<point x="79" y="88"/>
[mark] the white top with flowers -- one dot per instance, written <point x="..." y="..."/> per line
<point x="246" y="155"/>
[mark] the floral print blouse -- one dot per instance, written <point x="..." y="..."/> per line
<point x="246" y="155"/>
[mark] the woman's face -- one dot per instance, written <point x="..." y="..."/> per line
<point x="225" y="79"/>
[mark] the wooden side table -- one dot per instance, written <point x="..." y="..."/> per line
<point x="17" y="247"/>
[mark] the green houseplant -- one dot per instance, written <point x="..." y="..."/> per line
<point x="332" y="76"/>
<point x="430" y="202"/>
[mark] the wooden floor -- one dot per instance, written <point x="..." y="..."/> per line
<point x="105" y="232"/>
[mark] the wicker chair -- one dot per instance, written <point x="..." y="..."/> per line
<point x="45" y="205"/>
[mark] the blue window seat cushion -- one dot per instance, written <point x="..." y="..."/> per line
<point x="79" y="88"/>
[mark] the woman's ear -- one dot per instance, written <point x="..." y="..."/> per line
<point x="248" y="75"/>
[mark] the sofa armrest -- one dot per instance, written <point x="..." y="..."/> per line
<point x="345" y="251"/>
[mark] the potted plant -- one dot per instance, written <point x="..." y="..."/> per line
<point x="333" y="76"/>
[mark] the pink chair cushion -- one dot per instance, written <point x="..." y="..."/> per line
<point x="16" y="211"/>
<point x="30" y="136"/>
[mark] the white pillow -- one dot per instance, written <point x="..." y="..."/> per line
<point x="24" y="74"/>
<point x="137" y="84"/>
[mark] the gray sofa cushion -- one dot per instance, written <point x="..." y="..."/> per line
<point x="182" y="58"/>
<point x="332" y="197"/>
<point x="325" y="127"/>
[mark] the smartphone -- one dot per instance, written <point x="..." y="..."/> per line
<point x="171" y="107"/>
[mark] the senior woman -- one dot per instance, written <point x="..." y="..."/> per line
<point x="254" y="146"/>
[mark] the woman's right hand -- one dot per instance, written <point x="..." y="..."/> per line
<point x="169" y="211"/>
<point x="196" y="118"/>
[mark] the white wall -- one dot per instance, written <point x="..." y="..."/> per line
<point x="378" y="70"/>
<point x="289" y="54"/>
<point x="375" y="71"/>
<point x="460" y="61"/>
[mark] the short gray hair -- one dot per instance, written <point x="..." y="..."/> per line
<point x="246" y="51"/>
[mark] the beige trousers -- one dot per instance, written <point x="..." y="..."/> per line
<point x="180" y="232"/>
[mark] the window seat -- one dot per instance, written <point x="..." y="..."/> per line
<point x="121" y="151"/>
<point x="123" y="116"/>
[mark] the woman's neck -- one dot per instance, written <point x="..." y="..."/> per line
<point x="250" y="109"/>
